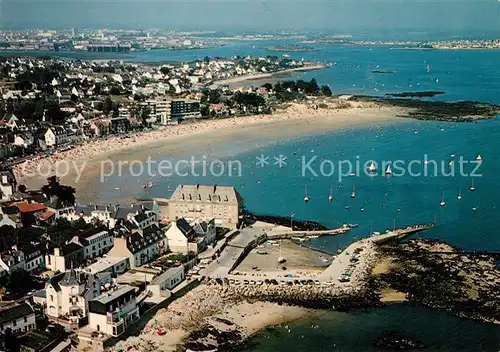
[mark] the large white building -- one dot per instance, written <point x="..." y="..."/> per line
<point x="19" y="317"/>
<point x="113" y="311"/>
<point x="193" y="202"/>
<point x="68" y="294"/>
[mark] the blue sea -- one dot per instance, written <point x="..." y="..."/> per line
<point x="381" y="201"/>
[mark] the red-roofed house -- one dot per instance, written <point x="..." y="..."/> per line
<point x="33" y="207"/>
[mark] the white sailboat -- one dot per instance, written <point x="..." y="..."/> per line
<point x="428" y="68"/>
<point x="372" y="167"/>
<point x="330" y="197"/>
<point x="459" y="197"/>
<point x="479" y="158"/>
<point x="451" y="163"/>
<point x="353" y="194"/>
<point x="306" y="197"/>
<point x="388" y="171"/>
<point x="472" y="187"/>
<point x="443" y="203"/>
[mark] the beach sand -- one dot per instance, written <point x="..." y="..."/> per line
<point x="197" y="138"/>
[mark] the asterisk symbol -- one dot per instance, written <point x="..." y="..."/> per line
<point x="262" y="160"/>
<point x="280" y="160"/>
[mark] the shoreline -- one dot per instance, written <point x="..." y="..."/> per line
<point x="297" y="120"/>
<point x="256" y="76"/>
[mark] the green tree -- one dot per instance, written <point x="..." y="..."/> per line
<point x="326" y="91"/>
<point x="65" y="194"/>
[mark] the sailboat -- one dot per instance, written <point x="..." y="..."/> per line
<point x="472" y="187"/>
<point x="479" y="158"/>
<point x="306" y="197"/>
<point x="353" y="194"/>
<point x="428" y="68"/>
<point x="443" y="203"/>
<point x="459" y="197"/>
<point x="451" y="163"/>
<point x="372" y="167"/>
<point x="388" y="171"/>
<point x="330" y="197"/>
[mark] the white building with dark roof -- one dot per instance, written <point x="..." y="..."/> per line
<point x="95" y="242"/>
<point x="69" y="293"/>
<point x="113" y="311"/>
<point x="140" y="245"/>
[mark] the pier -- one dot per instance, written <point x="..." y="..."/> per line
<point x="398" y="234"/>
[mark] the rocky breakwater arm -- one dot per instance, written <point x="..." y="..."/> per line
<point x="461" y="111"/>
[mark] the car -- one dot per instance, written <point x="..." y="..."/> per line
<point x="282" y="282"/>
<point x="296" y="282"/>
<point x="310" y="282"/>
<point x="231" y="281"/>
<point x="267" y="281"/>
<point x="274" y="281"/>
<point x="252" y="282"/>
<point x="289" y="283"/>
<point x="237" y="282"/>
<point x="246" y="282"/>
<point x="303" y="282"/>
<point x="317" y="282"/>
<point x="259" y="282"/>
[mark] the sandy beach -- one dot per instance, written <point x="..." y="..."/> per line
<point x="296" y="120"/>
<point x="258" y="76"/>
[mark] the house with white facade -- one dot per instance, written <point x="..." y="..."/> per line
<point x="23" y="139"/>
<point x="95" y="242"/>
<point x="181" y="237"/>
<point x="19" y="317"/>
<point x="55" y="136"/>
<point x="112" y="312"/>
<point x="68" y="295"/>
<point x="33" y="258"/>
<point x="7" y="185"/>
<point x="165" y="282"/>
<point x="140" y="245"/>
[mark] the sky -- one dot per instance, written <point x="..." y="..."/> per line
<point x="339" y="16"/>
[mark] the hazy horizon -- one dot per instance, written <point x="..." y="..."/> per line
<point x="393" y="17"/>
